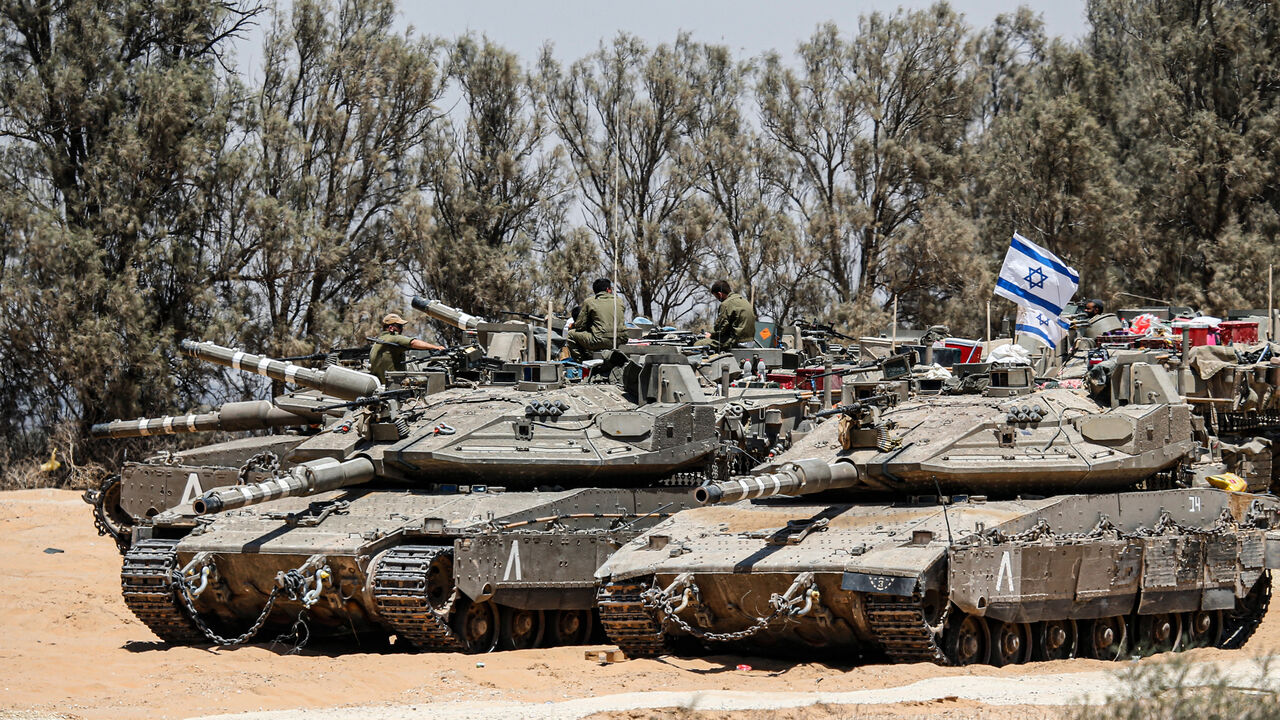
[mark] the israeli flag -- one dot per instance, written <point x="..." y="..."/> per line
<point x="1036" y="278"/>
<point x="1048" y="329"/>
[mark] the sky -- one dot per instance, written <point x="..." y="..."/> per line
<point x="748" y="27"/>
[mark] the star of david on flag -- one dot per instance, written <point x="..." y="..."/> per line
<point x="1048" y="329"/>
<point x="1036" y="278"/>
<point x="1041" y="284"/>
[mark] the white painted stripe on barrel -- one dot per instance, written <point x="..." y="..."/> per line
<point x="760" y="485"/>
<point x="290" y="372"/>
<point x="263" y="365"/>
<point x="191" y="423"/>
<point x="142" y="427"/>
<point x="246" y="493"/>
<point x="236" y="358"/>
<point x="168" y="425"/>
<point x="746" y="489"/>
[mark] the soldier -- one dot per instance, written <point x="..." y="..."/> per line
<point x="1093" y="308"/>
<point x="388" y="352"/>
<point x="598" y="322"/>
<point x="735" y="320"/>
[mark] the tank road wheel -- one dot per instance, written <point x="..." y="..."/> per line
<point x="1159" y="633"/>
<point x="521" y="629"/>
<point x="1055" y="640"/>
<point x="570" y="627"/>
<point x="1239" y="623"/>
<point x="1010" y="643"/>
<point x="1107" y="639"/>
<point x="967" y="642"/>
<point x="1203" y="628"/>
<point x="439" y="581"/>
<point x="476" y="624"/>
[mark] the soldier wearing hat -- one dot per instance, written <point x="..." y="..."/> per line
<point x="388" y="352"/>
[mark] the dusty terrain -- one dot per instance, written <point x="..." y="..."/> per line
<point x="70" y="649"/>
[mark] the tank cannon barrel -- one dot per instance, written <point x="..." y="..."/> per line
<point x="308" y="478"/>
<point x="802" y="477"/>
<point x="334" y="380"/>
<point x="448" y="315"/>
<point x="232" y="417"/>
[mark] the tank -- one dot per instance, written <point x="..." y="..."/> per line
<point x="450" y="514"/>
<point x="1001" y="527"/>
<point x="143" y="489"/>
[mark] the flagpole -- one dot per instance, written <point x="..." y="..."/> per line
<point x="988" y="322"/>
<point x="1271" y="317"/>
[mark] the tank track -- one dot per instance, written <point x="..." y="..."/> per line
<point x="400" y="595"/>
<point x="900" y="628"/>
<point x="1245" y="619"/>
<point x="147" y="585"/>
<point x="627" y="622"/>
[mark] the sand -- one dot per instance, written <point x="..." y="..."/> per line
<point x="70" y="649"/>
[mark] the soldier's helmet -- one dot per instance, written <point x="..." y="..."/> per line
<point x="393" y="319"/>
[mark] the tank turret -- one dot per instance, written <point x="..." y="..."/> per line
<point x="333" y="380"/>
<point x="308" y="478"/>
<point x="231" y="417"/>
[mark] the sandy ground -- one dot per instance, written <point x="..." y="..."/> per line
<point x="70" y="649"/>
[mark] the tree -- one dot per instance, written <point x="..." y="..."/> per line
<point x="752" y="240"/>
<point x="871" y="128"/>
<point x="1189" y="90"/>
<point x="1047" y="169"/>
<point x="332" y="144"/>
<point x="111" y="132"/>
<point x="498" y="192"/>
<point x="627" y="110"/>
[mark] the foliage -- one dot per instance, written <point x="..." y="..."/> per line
<point x="1181" y="690"/>
<point x="112" y="133"/>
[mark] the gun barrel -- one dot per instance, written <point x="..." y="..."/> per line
<point x="802" y="477"/>
<point x="445" y="314"/>
<point x="232" y="417"/>
<point x="333" y="380"/>
<point x="309" y="478"/>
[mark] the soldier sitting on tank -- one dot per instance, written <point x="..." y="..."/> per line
<point x="599" y="324"/>
<point x="735" y="320"/>
<point x="389" y="348"/>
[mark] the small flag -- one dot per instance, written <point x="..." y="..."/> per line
<point x="1048" y="329"/>
<point x="1036" y="278"/>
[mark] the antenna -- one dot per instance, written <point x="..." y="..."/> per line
<point x="943" y="503"/>
<point x="617" y="145"/>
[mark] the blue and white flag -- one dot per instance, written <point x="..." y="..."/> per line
<point x="1037" y="324"/>
<point x="1036" y="278"/>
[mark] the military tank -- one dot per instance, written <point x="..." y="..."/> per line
<point x="463" y="517"/>
<point x="143" y="489"/>
<point x="997" y="528"/>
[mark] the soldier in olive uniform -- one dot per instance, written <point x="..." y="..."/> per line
<point x="388" y="353"/>
<point x="599" y="320"/>
<point x="735" y="320"/>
